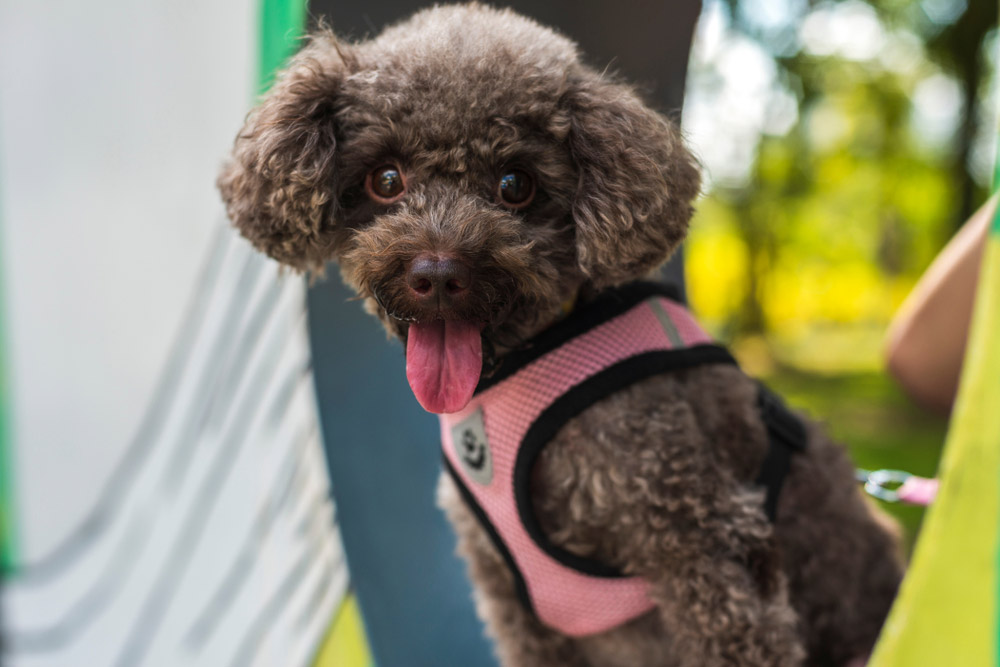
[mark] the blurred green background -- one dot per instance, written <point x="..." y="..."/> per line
<point x="843" y="144"/>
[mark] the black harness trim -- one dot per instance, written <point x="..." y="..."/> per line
<point x="786" y="433"/>
<point x="520" y="587"/>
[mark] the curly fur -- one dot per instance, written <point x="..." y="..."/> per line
<point x="655" y="479"/>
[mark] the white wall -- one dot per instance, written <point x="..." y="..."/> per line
<point x="210" y="542"/>
<point x="114" y="116"/>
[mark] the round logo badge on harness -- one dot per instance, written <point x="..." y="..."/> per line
<point x="469" y="440"/>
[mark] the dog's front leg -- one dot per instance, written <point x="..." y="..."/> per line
<point x="715" y="577"/>
<point x="717" y="615"/>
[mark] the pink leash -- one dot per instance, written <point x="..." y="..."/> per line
<point x="898" y="486"/>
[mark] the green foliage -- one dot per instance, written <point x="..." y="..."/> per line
<point x="839" y="214"/>
<point x="802" y="258"/>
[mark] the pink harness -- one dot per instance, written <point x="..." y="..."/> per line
<point x="490" y="446"/>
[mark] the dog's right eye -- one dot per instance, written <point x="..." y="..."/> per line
<point x="385" y="184"/>
<point x="516" y="189"/>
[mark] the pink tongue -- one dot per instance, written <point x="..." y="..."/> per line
<point x="443" y="362"/>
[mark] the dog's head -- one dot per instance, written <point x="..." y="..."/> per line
<point x="468" y="174"/>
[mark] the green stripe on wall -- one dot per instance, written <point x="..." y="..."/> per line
<point x="7" y="526"/>
<point x="8" y="541"/>
<point x="996" y="221"/>
<point x="992" y="253"/>
<point x="281" y="26"/>
<point x="996" y="157"/>
<point x="996" y="217"/>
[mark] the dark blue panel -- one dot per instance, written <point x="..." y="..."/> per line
<point x="384" y="456"/>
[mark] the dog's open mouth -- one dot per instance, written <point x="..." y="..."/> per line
<point x="444" y="359"/>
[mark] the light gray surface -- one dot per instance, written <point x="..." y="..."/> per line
<point x="113" y="118"/>
<point x="203" y="536"/>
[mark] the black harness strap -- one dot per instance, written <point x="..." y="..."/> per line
<point x="785" y="434"/>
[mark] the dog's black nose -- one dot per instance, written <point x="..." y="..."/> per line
<point x="438" y="278"/>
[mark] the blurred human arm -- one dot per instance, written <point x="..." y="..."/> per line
<point x="926" y="339"/>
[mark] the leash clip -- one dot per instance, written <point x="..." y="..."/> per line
<point x="895" y="486"/>
<point x="884" y="484"/>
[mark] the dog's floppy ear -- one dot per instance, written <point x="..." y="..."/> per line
<point x="279" y="184"/>
<point x="636" y="185"/>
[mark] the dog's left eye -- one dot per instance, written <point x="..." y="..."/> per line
<point x="385" y="184"/>
<point x="516" y="189"/>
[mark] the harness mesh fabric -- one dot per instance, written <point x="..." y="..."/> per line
<point x="571" y="601"/>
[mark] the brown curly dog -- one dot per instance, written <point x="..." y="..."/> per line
<point x="471" y="178"/>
